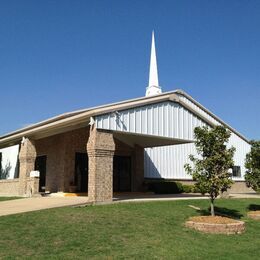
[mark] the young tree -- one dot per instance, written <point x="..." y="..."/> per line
<point x="252" y="165"/>
<point x="211" y="169"/>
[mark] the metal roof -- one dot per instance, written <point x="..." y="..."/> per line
<point x="81" y="118"/>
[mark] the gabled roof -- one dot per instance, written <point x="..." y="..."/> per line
<point x="80" y="118"/>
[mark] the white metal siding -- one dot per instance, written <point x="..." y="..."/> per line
<point x="198" y="109"/>
<point x="176" y="156"/>
<point x="242" y="148"/>
<point x="168" y="119"/>
<point x="168" y="161"/>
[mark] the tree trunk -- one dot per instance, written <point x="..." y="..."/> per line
<point x="212" y="210"/>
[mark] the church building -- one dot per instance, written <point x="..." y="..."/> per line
<point x="112" y="148"/>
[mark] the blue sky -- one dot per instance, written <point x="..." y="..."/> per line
<point x="59" y="56"/>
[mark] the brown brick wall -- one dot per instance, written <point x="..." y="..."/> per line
<point x="240" y="187"/>
<point x="32" y="186"/>
<point x="24" y="185"/>
<point x="54" y="148"/>
<point x="27" y="157"/>
<point x="75" y="141"/>
<point x="100" y="147"/>
<point x="9" y="187"/>
<point x="237" y="187"/>
<point x="60" y="150"/>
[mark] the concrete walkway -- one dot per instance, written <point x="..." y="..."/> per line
<point x="251" y="195"/>
<point x="10" y="207"/>
<point x="183" y="196"/>
<point x="155" y="197"/>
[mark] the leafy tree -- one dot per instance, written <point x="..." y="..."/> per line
<point x="252" y="165"/>
<point x="211" y="169"/>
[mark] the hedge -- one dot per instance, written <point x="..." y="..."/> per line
<point x="170" y="187"/>
<point x="165" y="187"/>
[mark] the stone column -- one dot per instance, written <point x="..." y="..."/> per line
<point x="100" y="148"/>
<point x="138" y="173"/>
<point x="27" y="157"/>
<point x="33" y="184"/>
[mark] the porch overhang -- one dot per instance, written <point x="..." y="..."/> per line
<point x="146" y="141"/>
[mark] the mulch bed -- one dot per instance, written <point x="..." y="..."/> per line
<point x="216" y="225"/>
<point x="213" y="220"/>
<point x="254" y="214"/>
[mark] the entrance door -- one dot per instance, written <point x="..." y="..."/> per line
<point x="40" y="165"/>
<point x="81" y="171"/>
<point x="122" y="173"/>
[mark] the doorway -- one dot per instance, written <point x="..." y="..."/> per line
<point x="81" y="171"/>
<point x="40" y="165"/>
<point x="122" y="174"/>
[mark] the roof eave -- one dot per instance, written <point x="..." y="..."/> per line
<point x="81" y="117"/>
<point x="76" y="118"/>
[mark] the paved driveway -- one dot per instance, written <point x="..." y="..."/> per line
<point x="10" y="207"/>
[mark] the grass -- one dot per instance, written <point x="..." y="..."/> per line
<point x="152" y="230"/>
<point x="9" y="198"/>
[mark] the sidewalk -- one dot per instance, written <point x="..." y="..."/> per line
<point x="142" y="197"/>
<point x="33" y="204"/>
<point x="245" y="195"/>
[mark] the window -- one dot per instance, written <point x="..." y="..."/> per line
<point x="236" y="171"/>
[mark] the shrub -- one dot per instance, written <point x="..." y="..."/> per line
<point x="192" y="189"/>
<point x="196" y="189"/>
<point x="187" y="188"/>
<point x="171" y="187"/>
<point x="165" y="187"/>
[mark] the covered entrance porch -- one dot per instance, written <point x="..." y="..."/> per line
<point x="116" y="162"/>
<point x="87" y="160"/>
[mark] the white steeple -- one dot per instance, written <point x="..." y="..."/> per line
<point x="153" y="87"/>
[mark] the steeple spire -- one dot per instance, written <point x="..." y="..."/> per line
<point x="153" y="87"/>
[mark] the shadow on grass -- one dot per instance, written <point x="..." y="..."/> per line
<point x="254" y="207"/>
<point x="224" y="212"/>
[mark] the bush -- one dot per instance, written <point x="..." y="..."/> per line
<point x="171" y="187"/>
<point x="187" y="188"/>
<point x="165" y="187"/>
<point x="196" y="189"/>
<point x="192" y="189"/>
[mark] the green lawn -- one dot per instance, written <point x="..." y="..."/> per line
<point x="152" y="230"/>
<point x="9" y="198"/>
